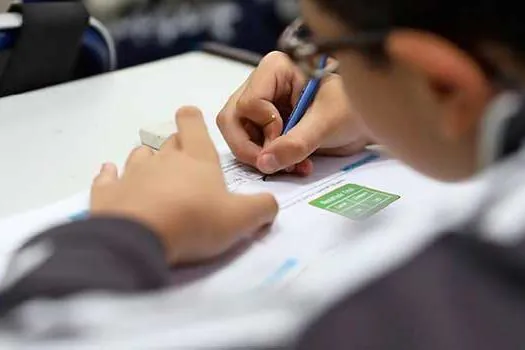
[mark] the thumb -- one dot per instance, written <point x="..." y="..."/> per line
<point x="285" y="152"/>
<point x="296" y="146"/>
<point x="253" y="212"/>
<point x="108" y="174"/>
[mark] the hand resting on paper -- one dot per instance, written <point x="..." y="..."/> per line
<point x="180" y="194"/>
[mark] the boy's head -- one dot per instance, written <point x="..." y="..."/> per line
<point x="425" y="95"/>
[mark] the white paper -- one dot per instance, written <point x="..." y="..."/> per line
<point x="263" y="292"/>
<point x="301" y="232"/>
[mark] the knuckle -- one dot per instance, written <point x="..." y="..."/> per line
<point x="243" y="104"/>
<point x="221" y="119"/>
<point x="276" y="58"/>
<point x="227" y="111"/>
<point x="97" y="182"/>
<point x="243" y="155"/>
<point x="299" y="147"/>
<point x="171" y="142"/>
<point x="145" y="149"/>
<point x="137" y="150"/>
<point x="272" y="202"/>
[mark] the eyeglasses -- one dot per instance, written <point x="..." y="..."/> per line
<point x="297" y="41"/>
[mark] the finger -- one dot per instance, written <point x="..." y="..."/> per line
<point x="305" y="168"/>
<point x="303" y="140"/>
<point x="289" y="150"/>
<point x="237" y="137"/>
<point x="262" y="113"/>
<point x="138" y="156"/>
<point x="171" y="145"/>
<point x="108" y="175"/>
<point x="252" y="213"/>
<point x="276" y="79"/>
<point x="248" y="118"/>
<point x="254" y="132"/>
<point x="285" y="152"/>
<point x="193" y="135"/>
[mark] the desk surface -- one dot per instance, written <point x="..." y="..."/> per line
<point x="53" y="141"/>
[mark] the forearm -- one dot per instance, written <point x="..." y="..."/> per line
<point x="97" y="254"/>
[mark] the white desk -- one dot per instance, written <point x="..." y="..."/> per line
<point x="53" y="141"/>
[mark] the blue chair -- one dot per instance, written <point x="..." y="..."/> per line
<point x="97" y="53"/>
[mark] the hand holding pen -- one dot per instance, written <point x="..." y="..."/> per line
<point x="253" y="120"/>
<point x="305" y="101"/>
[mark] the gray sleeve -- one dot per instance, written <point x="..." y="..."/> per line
<point x="102" y="254"/>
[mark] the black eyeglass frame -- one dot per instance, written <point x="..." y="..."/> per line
<point x="305" y="51"/>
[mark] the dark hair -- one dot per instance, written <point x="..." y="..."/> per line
<point x="467" y="23"/>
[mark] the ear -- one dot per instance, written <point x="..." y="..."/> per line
<point x="454" y="79"/>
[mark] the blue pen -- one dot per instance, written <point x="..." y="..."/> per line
<point x="305" y="100"/>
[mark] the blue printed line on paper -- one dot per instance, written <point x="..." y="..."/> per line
<point x="80" y="216"/>
<point x="282" y="271"/>
<point x="368" y="159"/>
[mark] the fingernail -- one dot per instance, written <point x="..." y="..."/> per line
<point x="268" y="163"/>
<point x="304" y="169"/>
<point x="104" y="166"/>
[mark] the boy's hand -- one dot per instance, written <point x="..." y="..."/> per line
<point x="180" y="193"/>
<point x="273" y="89"/>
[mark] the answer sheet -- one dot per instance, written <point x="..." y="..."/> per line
<point x="318" y="213"/>
<point x="351" y="221"/>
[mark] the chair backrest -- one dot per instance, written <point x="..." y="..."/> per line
<point x="96" y="55"/>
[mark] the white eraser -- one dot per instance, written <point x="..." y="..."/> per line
<point x="155" y="135"/>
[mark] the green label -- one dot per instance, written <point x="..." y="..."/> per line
<point x="355" y="202"/>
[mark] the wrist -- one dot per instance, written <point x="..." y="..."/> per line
<point x="151" y="228"/>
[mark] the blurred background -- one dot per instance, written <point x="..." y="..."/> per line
<point x="147" y="30"/>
